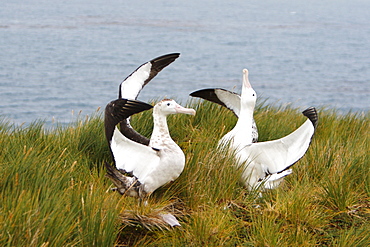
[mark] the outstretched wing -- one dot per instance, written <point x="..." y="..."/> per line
<point x="133" y="157"/>
<point x="132" y="85"/>
<point x="278" y="155"/>
<point x="220" y="96"/>
<point x="128" y="155"/>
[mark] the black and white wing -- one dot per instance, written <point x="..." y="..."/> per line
<point x="278" y="155"/>
<point x="220" y="96"/>
<point x="227" y="99"/>
<point x="118" y="110"/>
<point x="134" y="83"/>
<point x="133" y="157"/>
<point x="131" y="86"/>
<point x="130" y="156"/>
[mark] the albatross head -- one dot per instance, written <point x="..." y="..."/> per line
<point x="169" y="106"/>
<point x="248" y="96"/>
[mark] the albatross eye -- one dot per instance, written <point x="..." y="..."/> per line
<point x="168" y="104"/>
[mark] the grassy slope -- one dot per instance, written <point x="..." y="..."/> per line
<point x="53" y="191"/>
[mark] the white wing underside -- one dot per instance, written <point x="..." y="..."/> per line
<point x="152" y="168"/>
<point x="231" y="100"/>
<point x="133" y="84"/>
<point x="275" y="156"/>
<point x="133" y="157"/>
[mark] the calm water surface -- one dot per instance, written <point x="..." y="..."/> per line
<point x="59" y="58"/>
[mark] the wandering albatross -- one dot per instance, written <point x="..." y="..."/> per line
<point x="140" y="168"/>
<point x="264" y="163"/>
<point x="139" y="181"/>
<point x="131" y="86"/>
<point x="237" y="104"/>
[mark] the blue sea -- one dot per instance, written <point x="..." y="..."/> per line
<point x="62" y="59"/>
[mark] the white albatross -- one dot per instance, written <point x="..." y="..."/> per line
<point x="147" y="166"/>
<point x="239" y="105"/>
<point x="264" y="163"/>
<point x="131" y="86"/>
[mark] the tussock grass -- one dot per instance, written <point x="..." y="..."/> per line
<point x="53" y="190"/>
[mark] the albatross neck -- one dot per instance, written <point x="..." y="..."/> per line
<point x="161" y="134"/>
<point x="243" y="127"/>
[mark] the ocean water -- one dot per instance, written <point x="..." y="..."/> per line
<point x="60" y="59"/>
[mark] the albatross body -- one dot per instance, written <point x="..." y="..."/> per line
<point x="149" y="166"/>
<point x="263" y="162"/>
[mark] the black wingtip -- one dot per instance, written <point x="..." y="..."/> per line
<point x="167" y="57"/>
<point x="209" y="94"/>
<point x="311" y="114"/>
<point x="113" y="173"/>
<point x="160" y="63"/>
<point x="202" y="93"/>
<point x="120" y="109"/>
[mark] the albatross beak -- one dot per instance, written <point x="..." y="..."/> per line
<point x="245" y="79"/>
<point x="180" y="109"/>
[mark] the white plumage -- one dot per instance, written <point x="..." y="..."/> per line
<point x="134" y="83"/>
<point x="268" y="162"/>
<point x="151" y="165"/>
<point x="141" y="164"/>
<point x="242" y="133"/>
<point x="263" y="162"/>
<point x="240" y="105"/>
<point x="131" y="86"/>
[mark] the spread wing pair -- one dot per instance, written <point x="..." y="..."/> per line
<point x="142" y="164"/>
<point x="263" y="162"/>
